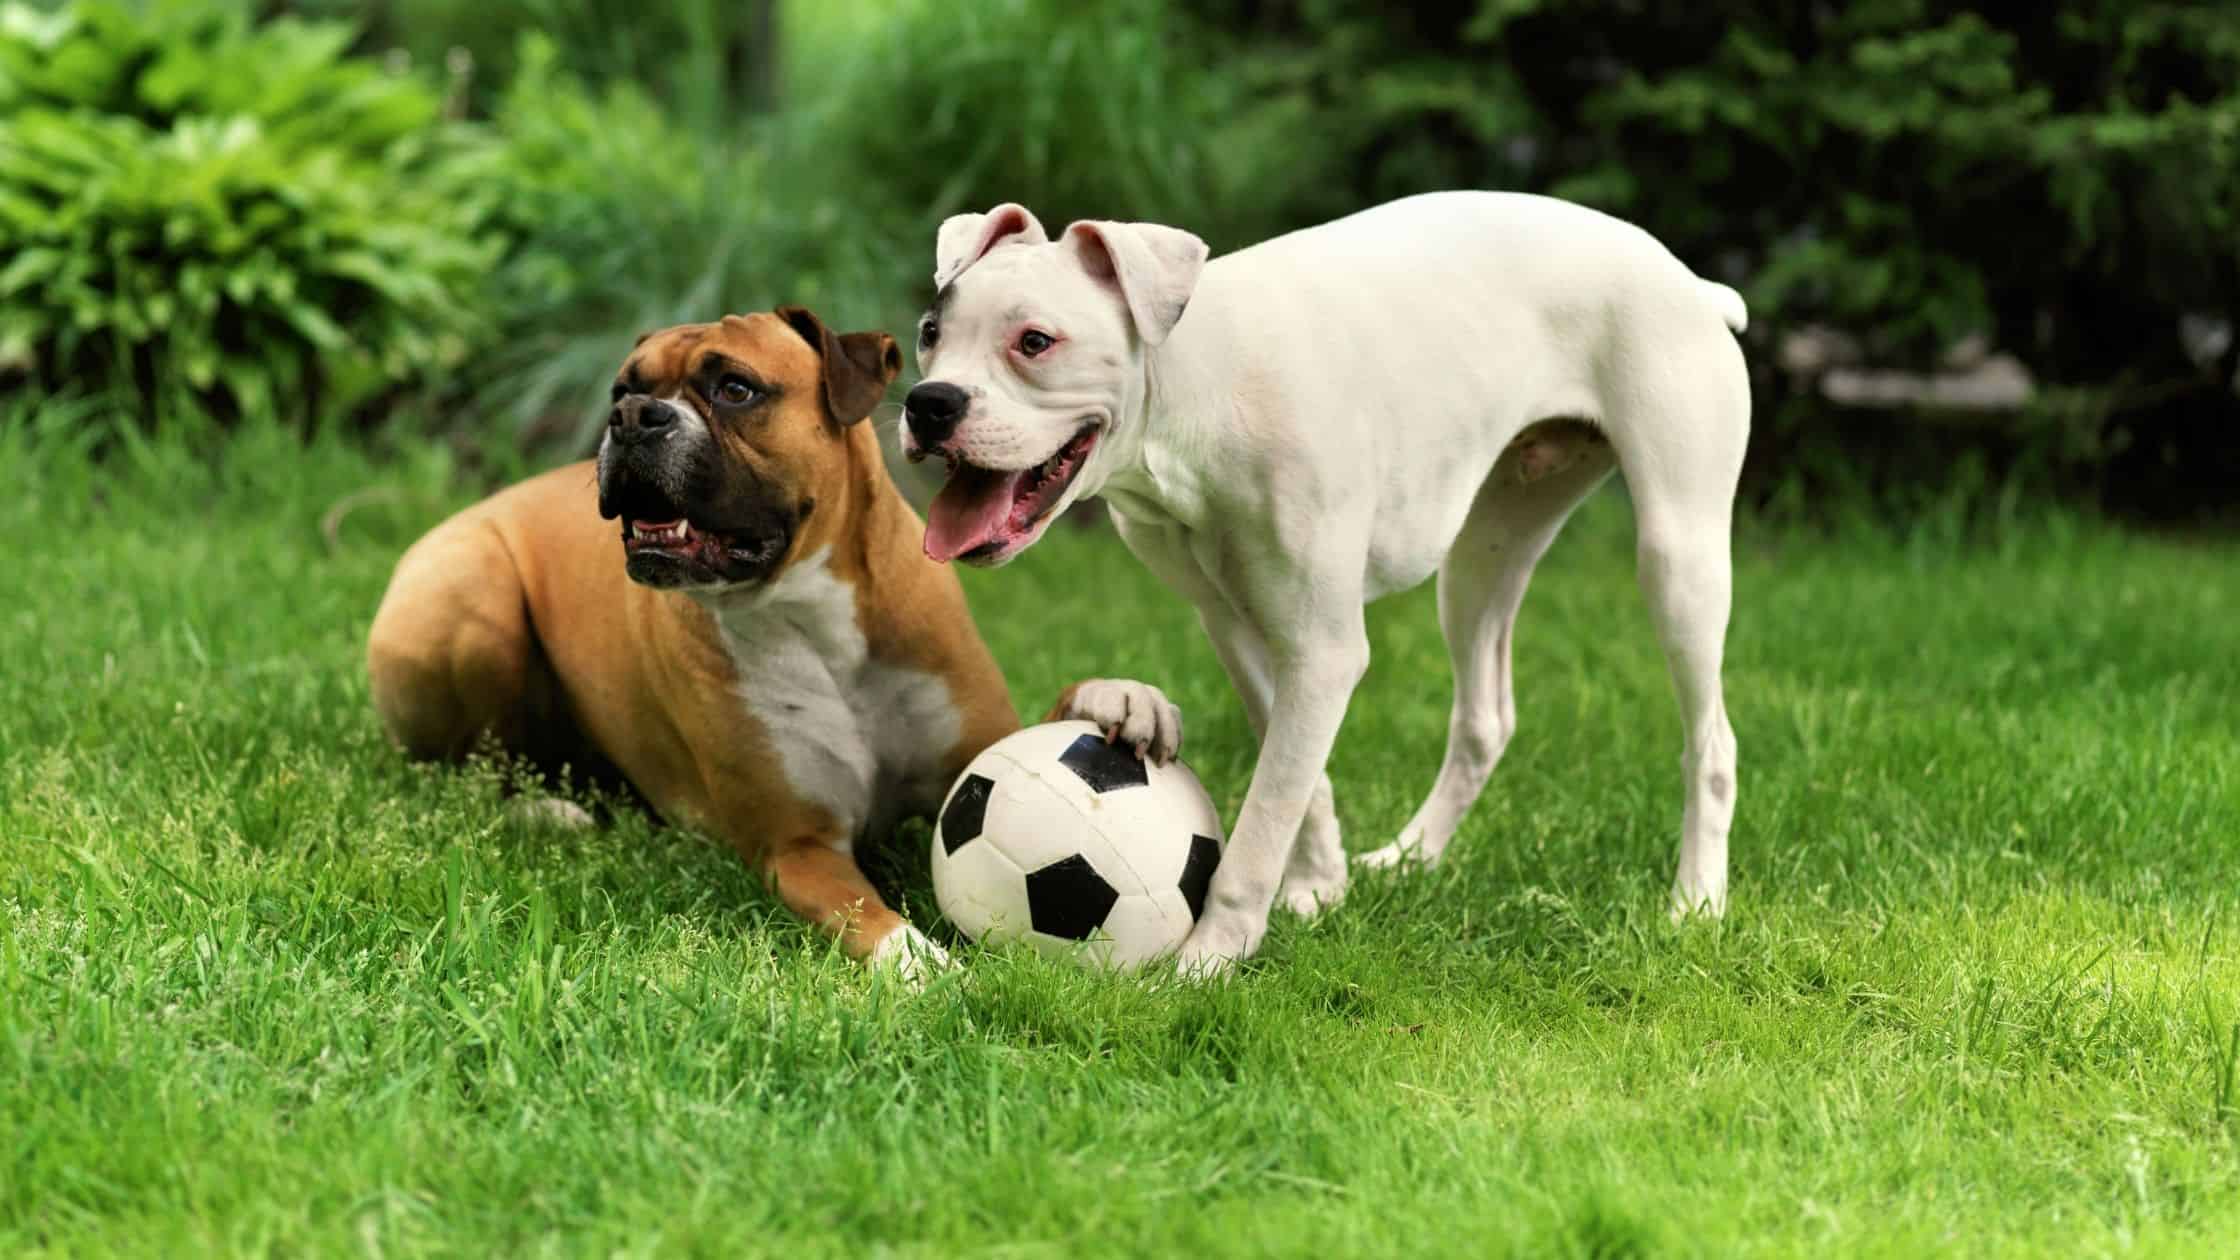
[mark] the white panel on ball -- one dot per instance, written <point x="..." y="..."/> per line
<point x="1035" y="819"/>
<point x="988" y="894"/>
<point x="1138" y="930"/>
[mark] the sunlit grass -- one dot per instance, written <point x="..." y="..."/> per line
<point x="264" y="988"/>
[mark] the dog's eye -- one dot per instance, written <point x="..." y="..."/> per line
<point x="1032" y="342"/>
<point x="733" y="392"/>
<point x="929" y="333"/>
<point x="619" y="392"/>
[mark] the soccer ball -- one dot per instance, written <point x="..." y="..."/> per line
<point x="1055" y="837"/>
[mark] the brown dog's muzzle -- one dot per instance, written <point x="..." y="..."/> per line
<point x="691" y="516"/>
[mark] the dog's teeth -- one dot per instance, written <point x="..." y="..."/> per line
<point x="674" y="531"/>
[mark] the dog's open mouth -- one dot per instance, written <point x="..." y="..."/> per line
<point x="985" y="514"/>
<point x="675" y="552"/>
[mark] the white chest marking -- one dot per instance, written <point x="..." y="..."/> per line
<point x="864" y="739"/>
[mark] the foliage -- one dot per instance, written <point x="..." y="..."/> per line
<point x="630" y="217"/>
<point x="195" y="207"/>
<point x="625" y="221"/>
<point x="266" y="989"/>
<point x="2062" y="179"/>
<point x="1093" y="109"/>
<point x="710" y="63"/>
<point x="2061" y="183"/>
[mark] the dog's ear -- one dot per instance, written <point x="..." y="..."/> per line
<point x="966" y="238"/>
<point x="1155" y="269"/>
<point x="858" y="366"/>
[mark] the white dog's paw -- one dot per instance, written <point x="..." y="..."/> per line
<point x="1215" y="947"/>
<point x="1402" y="854"/>
<point x="1128" y="712"/>
<point x="1704" y="901"/>
<point x="1309" y="895"/>
<point x="1202" y="966"/>
<point x="550" y="811"/>
<point x="913" y="957"/>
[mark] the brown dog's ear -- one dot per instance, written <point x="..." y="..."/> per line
<point x="642" y="338"/>
<point x="858" y="366"/>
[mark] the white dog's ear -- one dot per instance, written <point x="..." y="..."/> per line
<point x="966" y="238"/>
<point x="1155" y="268"/>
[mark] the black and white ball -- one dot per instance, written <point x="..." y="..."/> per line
<point x="1055" y="837"/>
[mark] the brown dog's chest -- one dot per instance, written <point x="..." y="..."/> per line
<point x="865" y="739"/>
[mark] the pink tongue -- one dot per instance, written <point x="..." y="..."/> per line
<point x="969" y="512"/>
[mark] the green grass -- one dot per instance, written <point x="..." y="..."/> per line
<point x="266" y="989"/>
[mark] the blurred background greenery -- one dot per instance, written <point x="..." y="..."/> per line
<point x="1989" y="249"/>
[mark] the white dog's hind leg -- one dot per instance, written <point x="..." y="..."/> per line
<point x="1681" y="470"/>
<point x="1314" y="878"/>
<point x="1685" y="574"/>
<point x="1518" y="512"/>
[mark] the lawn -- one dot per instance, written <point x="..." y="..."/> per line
<point x="266" y="989"/>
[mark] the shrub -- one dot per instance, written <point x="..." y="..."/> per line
<point x="1082" y="109"/>
<point x="2063" y="180"/>
<point x="707" y="62"/>
<point x="196" y="210"/>
<point x="625" y="221"/>
<point x="631" y="215"/>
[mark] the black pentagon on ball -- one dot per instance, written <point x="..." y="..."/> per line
<point x="966" y="811"/>
<point x="1104" y="767"/>
<point x="1197" y="873"/>
<point x="1068" y="898"/>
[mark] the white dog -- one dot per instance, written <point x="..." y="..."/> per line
<point x="1296" y="429"/>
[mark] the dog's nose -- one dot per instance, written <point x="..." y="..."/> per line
<point x="640" y="419"/>
<point x="933" y="410"/>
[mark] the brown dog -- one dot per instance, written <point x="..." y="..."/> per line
<point x="764" y="652"/>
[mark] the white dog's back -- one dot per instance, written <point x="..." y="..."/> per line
<point x="1419" y="338"/>
<point x="1462" y="239"/>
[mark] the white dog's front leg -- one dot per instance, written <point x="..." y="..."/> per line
<point x="1313" y="683"/>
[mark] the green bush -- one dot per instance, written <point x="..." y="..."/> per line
<point x="1913" y="171"/>
<point x="2062" y="180"/>
<point x="625" y="220"/>
<point x="632" y="215"/>
<point x="1077" y="108"/>
<point x="708" y="62"/>
<point x="195" y="206"/>
<point x="200" y="211"/>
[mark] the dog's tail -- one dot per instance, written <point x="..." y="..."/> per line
<point x="1729" y="304"/>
